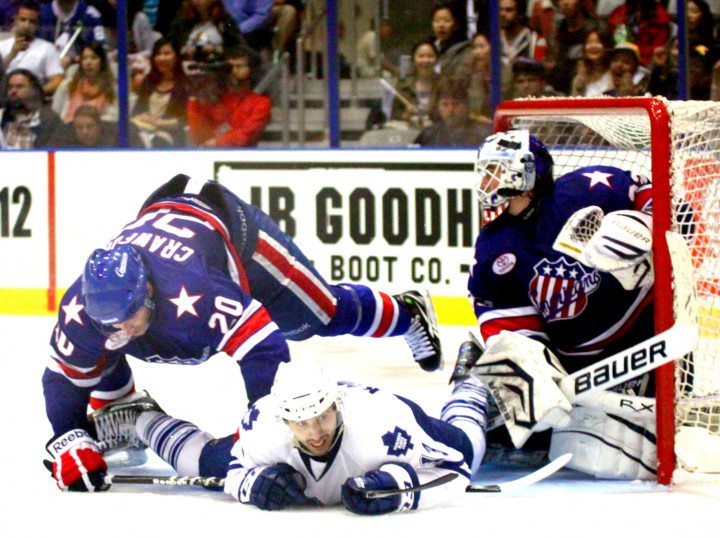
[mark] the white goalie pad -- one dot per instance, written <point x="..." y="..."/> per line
<point x="522" y="376"/>
<point x="610" y="435"/>
<point x="619" y="243"/>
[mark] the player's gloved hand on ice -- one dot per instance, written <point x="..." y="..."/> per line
<point x="389" y="476"/>
<point x="273" y="487"/>
<point x="78" y="465"/>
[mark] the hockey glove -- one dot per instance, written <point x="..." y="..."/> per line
<point x="389" y="476"/>
<point x="78" y="465"/>
<point x="272" y="487"/>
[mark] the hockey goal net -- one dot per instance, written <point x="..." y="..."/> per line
<point x="677" y="145"/>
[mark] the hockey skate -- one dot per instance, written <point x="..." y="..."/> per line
<point x="115" y="423"/>
<point x="423" y="336"/>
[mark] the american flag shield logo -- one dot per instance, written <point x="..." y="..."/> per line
<point x="560" y="289"/>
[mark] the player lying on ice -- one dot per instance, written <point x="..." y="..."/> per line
<point x="316" y="441"/>
<point x="200" y="272"/>
<point x="563" y="278"/>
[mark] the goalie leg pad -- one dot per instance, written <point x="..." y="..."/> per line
<point x="521" y="375"/>
<point x="610" y="435"/>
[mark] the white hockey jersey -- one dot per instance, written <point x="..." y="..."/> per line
<point x="380" y="427"/>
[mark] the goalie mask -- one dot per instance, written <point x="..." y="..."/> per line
<point x="509" y="164"/>
<point x="309" y="403"/>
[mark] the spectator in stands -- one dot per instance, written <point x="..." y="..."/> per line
<point x="703" y="50"/>
<point x="412" y="105"/>
<point x="7" y="14"/>
<point x="530" y="79"/>
<point x="628" y="77"/>
<point x="565" y="48"/>
<point x="448" y="37"/>
<point x="26" y="51"/>
<point x="25" y="122"/>
<point x="161" y="107"/>
<point x="474" y="68"/>
<point x="142" y="35"/>
<point x="592" y="76"/>
<point x="230" y="115"/>
<point x="60" y="18"/>
<point x="664" y="75"/>
<point x="166" y="12"/>
<point x="453" y="126"/>
<point x="254" y="19"/>
<point x="203" y="29"/>
<point x="541" y="17"/>
<point x="285" y="16"/>
<point x="643" y="22"/>
<point x="88" y="131"/>
<point x="518" y="41"/>
<point x="91" y="83"/>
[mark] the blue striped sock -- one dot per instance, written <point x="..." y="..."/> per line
<point x="178" y="442"/>
<point x="467" y="409"/>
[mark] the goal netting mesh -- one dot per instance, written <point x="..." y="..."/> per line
<point x="621" y="137"/>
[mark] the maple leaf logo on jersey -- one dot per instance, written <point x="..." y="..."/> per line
<point x="398" y="442"/>
<point x="560" y="289"/>
<point x="250" y="418"/>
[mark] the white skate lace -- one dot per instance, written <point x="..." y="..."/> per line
<point x="117" y="430"/>
<point x="419" y="341"/>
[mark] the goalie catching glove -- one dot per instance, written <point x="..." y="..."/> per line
<point x="522" y="376"/>
<point x="78" y="465"/>
<point x="619" y="243"/>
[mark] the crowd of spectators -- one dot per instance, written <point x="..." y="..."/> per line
<point x="554" y="48"/>
<point x="193" y="65"/>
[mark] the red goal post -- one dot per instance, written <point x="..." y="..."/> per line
<point x="677" y="145"/>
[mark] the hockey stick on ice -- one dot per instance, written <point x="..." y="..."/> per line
<point x="380" y="493"/>
<point x="534" y="477"/>
<point x="524" y="481"/>
<point x="205" y="481"/>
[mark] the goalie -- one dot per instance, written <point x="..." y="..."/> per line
<point x="562" y="278"/>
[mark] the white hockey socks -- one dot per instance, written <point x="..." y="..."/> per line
<point x="467" y="409"/>
<point x="178" y="442"/>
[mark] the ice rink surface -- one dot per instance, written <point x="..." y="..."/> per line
<point x="212" y="396"/>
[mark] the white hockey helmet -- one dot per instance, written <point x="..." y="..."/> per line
<point x="302" y="390"/>
<point x="508" y="164"/>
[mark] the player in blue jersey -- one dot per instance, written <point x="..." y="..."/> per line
<point x="562" y="277"/>
<point x="199" y="272"/>
<point x="316" y="441"/>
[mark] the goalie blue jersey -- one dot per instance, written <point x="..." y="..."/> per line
<point x="518" y="282"/>
<point x="201" y="309"/>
